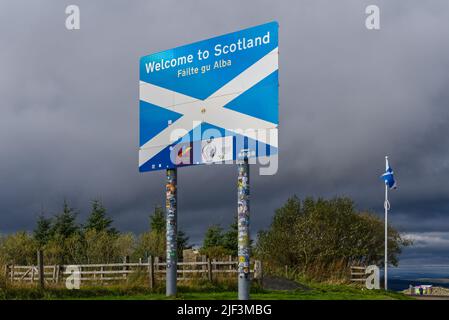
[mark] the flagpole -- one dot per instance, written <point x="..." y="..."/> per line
<point x="386" y="230"/>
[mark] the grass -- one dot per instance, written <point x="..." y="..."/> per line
<point x="199" y="292"/>
<point x="269" y="295"/>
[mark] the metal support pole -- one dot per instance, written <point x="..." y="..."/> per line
<point x="386" y="239"/>
<point x="171" y="217"/>
<point x="243" y="229"/>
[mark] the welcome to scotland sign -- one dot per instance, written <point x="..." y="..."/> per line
<point x="212" y="101"/>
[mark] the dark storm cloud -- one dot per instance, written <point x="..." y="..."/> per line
<point x="348" y="96"/>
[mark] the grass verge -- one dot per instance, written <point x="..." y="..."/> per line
<point x="199" y="292"/>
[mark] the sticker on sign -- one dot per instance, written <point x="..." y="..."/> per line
<point x="212" y="101"/>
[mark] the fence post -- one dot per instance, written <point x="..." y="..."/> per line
<point x="40" y="265"/>
<point x="182" y="268"/>
<point x="258" y="270"/>
<point x="12" y="273"/>
<point x="125" y="261"/>
<point x="6" y="272"/>
<point x="209" y="269"/>
<point x="54" y="274"/>
<point x="151" y="272"/>
<point x="101" y="274"/>
<point x="58" y="270"/>
<point x="156" y="267"/>
<point x="204" y="265"/>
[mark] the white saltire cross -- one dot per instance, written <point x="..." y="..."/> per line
<point x="211" y="110"/>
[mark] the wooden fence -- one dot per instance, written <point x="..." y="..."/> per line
<point x="152" y="270"/>
<point x="358" y="273"/>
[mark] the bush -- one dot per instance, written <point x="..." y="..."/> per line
<point x="321" y="238"/>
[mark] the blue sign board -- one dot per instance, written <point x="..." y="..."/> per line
<point x="212" y="101"/>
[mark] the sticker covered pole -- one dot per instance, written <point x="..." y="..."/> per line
<point x="171" y="217"/>
<point x="243" y="229"/>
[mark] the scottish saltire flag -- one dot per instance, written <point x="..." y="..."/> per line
<point x="212" y="101"/>
<point x="388" y="176"/>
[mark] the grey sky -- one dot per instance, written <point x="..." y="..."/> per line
<point x="348" y="96"/>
